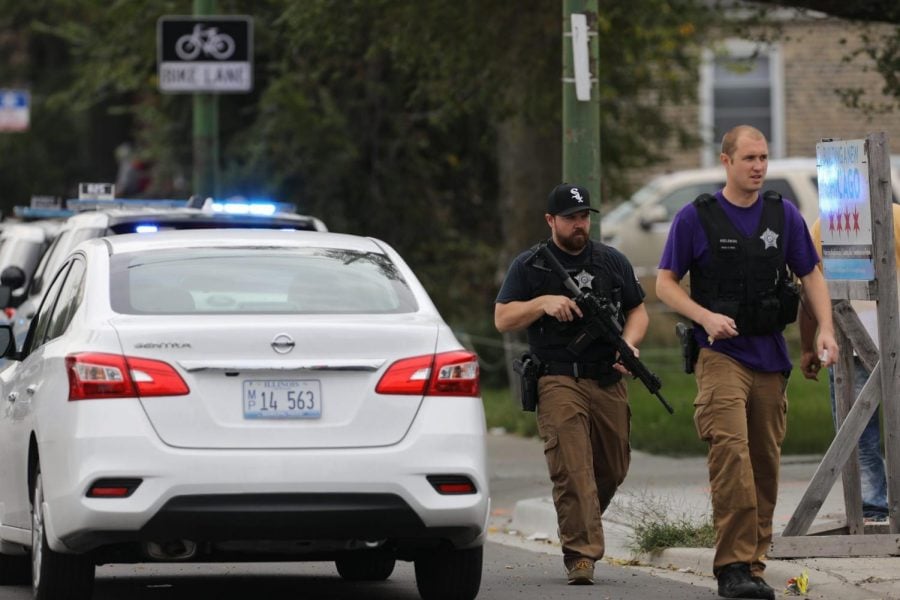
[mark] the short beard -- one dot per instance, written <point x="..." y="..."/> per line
<point x="574" y="243"/>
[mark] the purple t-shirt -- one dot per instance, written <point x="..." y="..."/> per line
<point x="687" y="244"/>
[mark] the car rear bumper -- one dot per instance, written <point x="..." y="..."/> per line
<point x="246" y="494"/>
<point x="368" y="520"/>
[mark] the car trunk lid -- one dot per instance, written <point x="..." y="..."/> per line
<point x="280" y="381"/>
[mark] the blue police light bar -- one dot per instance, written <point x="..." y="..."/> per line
<point x="28" y="212"/>
<point x="239" y="205"/>
<point x="245" y="208"/>
<point x="146" y="228"/>
<point x="236" y="206"/>
<point x="85" y="205"/>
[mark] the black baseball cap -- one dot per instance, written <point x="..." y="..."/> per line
<point x="567" y="199"/>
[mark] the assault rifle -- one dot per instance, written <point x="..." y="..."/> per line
<point x="601" y="323"/>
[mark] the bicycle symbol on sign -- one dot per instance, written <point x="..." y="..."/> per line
<point x="209" y="41"/>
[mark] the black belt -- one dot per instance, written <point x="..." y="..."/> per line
<point x="598" y="371"/>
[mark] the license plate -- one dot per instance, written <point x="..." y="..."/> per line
<point x="282" y="399"/>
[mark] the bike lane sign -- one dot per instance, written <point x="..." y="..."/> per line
<point x="203" y="53"/>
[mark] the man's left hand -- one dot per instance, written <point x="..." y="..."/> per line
<point x="619" y="366"/>
<point x="810" y="365"/>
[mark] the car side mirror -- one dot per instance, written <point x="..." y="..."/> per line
<point x="12" y="277"/>
<point x="650" y="215"/>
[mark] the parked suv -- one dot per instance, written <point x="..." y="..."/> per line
<point x="137" y="219"/>
<point x="639" y="226"/>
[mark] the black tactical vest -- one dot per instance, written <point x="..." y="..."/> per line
<point x="549" y="337"/>
<point x="746" y="278"/>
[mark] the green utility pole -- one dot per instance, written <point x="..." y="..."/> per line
<point x="581" y="99"/>
<point x="206" y="129"/>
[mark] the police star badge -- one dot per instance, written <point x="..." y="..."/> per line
<point x="584" y="280"/>
<point x="769" y="238"/>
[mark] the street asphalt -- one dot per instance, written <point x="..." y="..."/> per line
<point x="677" y="489"/>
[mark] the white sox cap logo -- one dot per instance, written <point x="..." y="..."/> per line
<point x="567" y="199"/>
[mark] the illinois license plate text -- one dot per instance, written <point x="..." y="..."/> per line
<point x="282" y="399"/>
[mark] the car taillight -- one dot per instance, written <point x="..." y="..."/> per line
<point x="155" y="378"/>
<point x="93" y="375"/>
<point x="455" y="374"/>
<point x="445" y="374"/>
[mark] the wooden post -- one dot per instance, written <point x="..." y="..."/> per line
<point x="844" y="379"/>
<point x="883" y="385"/>
<point x="888" y="329"/>
<point x="841" y="448"/>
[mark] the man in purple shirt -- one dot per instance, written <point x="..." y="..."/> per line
<point x="738" y="246"/>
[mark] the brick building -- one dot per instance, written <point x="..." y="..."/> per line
<point x="788" y="88"/>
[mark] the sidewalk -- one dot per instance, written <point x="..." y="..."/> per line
<point x="680" y="486"/>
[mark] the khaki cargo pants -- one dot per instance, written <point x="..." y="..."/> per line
<point x="742" y="415"/>
<point x="585" y="428"/>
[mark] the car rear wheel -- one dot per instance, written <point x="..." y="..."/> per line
<point x="14" y="569"/>
<point x="366" y="566"/>
<point x="55" y="576"/>
<point x="449" y="574"/>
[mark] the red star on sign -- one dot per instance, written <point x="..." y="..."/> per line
<point x="830" y="222"/>
<point x="856" y="220"/>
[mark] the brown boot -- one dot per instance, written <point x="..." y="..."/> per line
<point x="581" y="572"/>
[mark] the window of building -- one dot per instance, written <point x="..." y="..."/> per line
<point x="741" y="83"/>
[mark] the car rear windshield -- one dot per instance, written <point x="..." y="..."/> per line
<point x="258" y="281"/>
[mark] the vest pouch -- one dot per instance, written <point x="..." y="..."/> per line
<point x="725" y="307"/>
<point x="789" y="300"/>
<point x="765" y="315"/>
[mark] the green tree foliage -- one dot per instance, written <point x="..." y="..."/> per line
<point x="379" y="116"/>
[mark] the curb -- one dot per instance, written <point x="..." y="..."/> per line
<point x="845" y="578"/>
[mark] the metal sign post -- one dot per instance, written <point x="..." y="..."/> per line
<point x="581" y="99"/>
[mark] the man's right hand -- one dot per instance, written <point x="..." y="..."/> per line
<point x="719" y="327"/>
<point x="561" y="308"/>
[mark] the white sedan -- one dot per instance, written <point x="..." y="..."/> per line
<point x="237" y="395"/>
